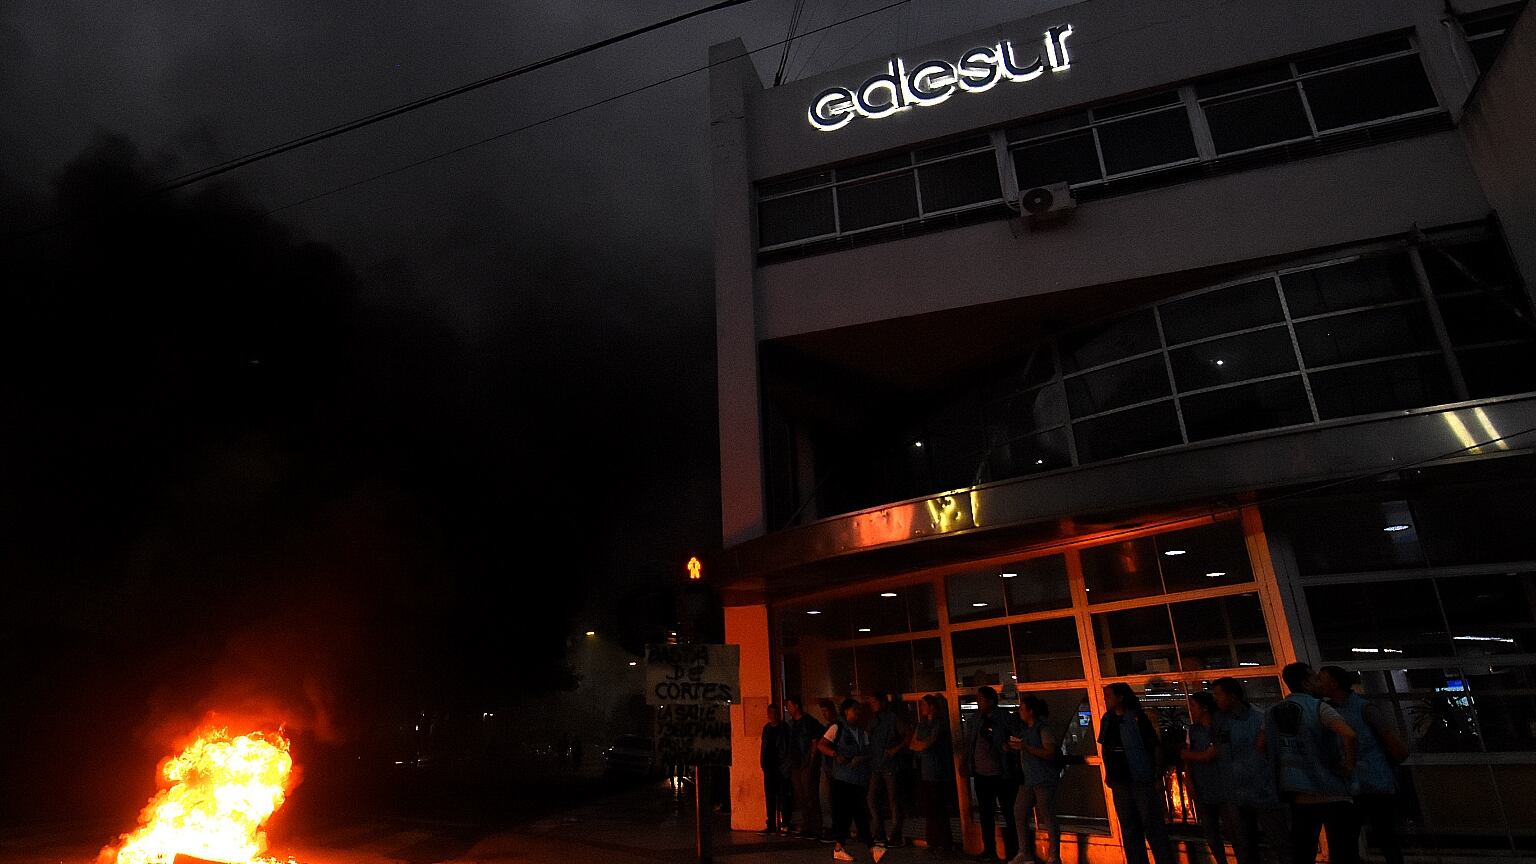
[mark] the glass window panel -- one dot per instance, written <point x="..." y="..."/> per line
<point x="1486" y="525"/>
<point x="1135" y="641"/>
<point x="1140" y="103"/>
<point x="1071" y="718"/>
<point x="1031" y="454"/>
<point x="841" y="674"/>
<point x="1351" y="53"/>
<point x="1498" y="370"/>
<point x="1484" y="317"/>
<point x="938" y="151"/>
<point x="1134" y="431"/>
<point x="794" y="184"/>
<point x="879" y="616"/>
<point x="1049" y="126"/>
<point x="1410" y="382"/>
<point x="1468" y="266"/>
<point x="1244" y="81"/>
<point x="1097" y="344"/>
<point x="1238" y="307"/>
<point x="1068" y="159"/>
<point x="1348" y="285"/>
<point x="1036" y="584"/>
<point x="1486" y="50"/>
<point x="1211" y="555"/>
<point x="1491" y="615"/>
<point x="823" y="619"/>
<point x="959" y="182"/>
<point x="885" y="668"/>
<point x="1505" y="699"/>
<point x="1348" y="536"/>
<point x="982" y="657"/>
<point x="1373" y="92"/>
<point x="1233" y="359"/>
<point x="1121" y="571"/>
<point x="975" y="595"/>
<point x="1378" y="620"/>
<point x="797" y="217"/>
<point x="1147" y="141"/>
<point x="877" y="202"/>
<point x="1047" y="650"/>
<point x="1257" y="119"/>
<point x="1246" y="408"/>
<point x="1222" y="633"/>
<point x="1117" y="386"/>
<point x="1365" y="335"/>
<point x="1261" y="692"/>
<point x="927" y="665"/>
<point x="1019" y="413"/>
<point x="875" y="166"/>
<point x="922" y="608"/>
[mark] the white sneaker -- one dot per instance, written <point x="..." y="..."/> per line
<point x="878" y="852"/>
<point x="840" y="854"/>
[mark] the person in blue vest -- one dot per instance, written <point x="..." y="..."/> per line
<point x="1201" y="758"/>
<point x="1039" y="774"/>
<point x="1312" y="750"/>
<point x="936" y="770"/>
<point x="1381" y="750"/>
<point x="804" y="731"/>
<point x="983" y="758"/>
<point x="1252" y="803"/>
<point x="1133" y="770"/>
<point x="846" y="744"/>
<point x="890" y="735"/>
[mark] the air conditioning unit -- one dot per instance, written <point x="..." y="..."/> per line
<point x="1044" y="204"/>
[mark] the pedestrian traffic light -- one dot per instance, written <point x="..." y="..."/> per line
<point x="695" y="569"/>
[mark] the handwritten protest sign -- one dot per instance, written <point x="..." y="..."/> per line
<point x="692" y="674"/>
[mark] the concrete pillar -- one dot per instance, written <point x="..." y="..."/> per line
<point x="747" y="626"/>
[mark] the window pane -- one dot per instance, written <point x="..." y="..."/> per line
<point x="1372" y="92"/>
<point x="1365" y="335"/>
<point x="1348" y="536"/>
<point x="1498" y="370"/>
<point x="1239" y="307"/>
<point x="1041" y="128"/>
<point x="885" y="668"/>
<point x="796" y="217"/>
<point x="976" y="595"/>
<point x="877" y="202"/>
<point x="1047" y="650"/>
<point x="1135" y="431"/>
<point x="1118" y="385"/>
<point x="1233" y="359"/>
<point x="927" y="665"/>
<point x="840" y="672"/>
<point x="1036" y="584"/>
<point x="1247" y="408"/>
<point x="1469" y="266"/>
<point x="1211" y="555"/>
<point x="1069" y="159"/>
<point x="938" y="151"/>
<point x="1019" y="413"/>
<point x="1121" y="571"/>
<point x="1031" y="454"/>
<point x="922" y="609"/>
<point x="1351" y="53"/>
<point x="1222" y="633"/>
<point x="982" y="656"/>
<point x="1412" y="382"/>
<point x="1486" y="50"/>
<point x="1135" y="641"/>
<point x="960" y="181"/>
<point x="1484" y="317"/>
<point x="1146" y="141"/>
<point x="1378" y="619"/>
<point x="1140" y="103"/>
<point x="1485" y="525"/>
<point x="1362" y="282"/>
<point x="874" y="166"/>
<point x="1491" y="615"/>
<point x="1097" y="344"/>
<point x="1071" y="717"/>
<point x="1257" y="119"/>
<point x="1243" y="81"/>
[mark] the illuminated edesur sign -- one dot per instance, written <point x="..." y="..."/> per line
<point x="933" y="81"/>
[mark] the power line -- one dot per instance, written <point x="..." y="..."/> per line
<point x="377" y="117"/>
<point x="789" y="41"/>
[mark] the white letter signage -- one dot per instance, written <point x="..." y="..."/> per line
<point x="933" y="81"/>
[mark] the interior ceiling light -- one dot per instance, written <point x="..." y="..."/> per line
<point x="863" y="629"/>
<point x="1175" y="552"/>
<point x="1215" y="574"/>
<point x="813" y="611"/>
<point x="978" y="605"/>
<point x="887" y="593"/>
<point x="1395" y="528"/>
<point x="1008" y="575"/>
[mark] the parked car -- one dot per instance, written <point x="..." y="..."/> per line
<point x="634" y="755"/>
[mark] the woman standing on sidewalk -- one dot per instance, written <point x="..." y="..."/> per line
<point x="1037" y="787"/>
<point x="847" y="744"/>
<point x="936" y="770"/>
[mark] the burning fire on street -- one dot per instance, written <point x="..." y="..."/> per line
<point x="220" y="791"/>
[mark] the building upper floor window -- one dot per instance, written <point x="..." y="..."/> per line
<point x="1320" y="99"/>
<point x="1486" y="32"/>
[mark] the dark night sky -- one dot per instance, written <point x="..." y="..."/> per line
<point x="385" y="445"/>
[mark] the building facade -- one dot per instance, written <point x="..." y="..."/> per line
<point x="1151" y="343"/>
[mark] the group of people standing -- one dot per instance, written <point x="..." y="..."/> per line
<point x="1322" y="761"/>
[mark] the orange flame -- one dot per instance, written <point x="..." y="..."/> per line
<point x="222" y="791"/>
